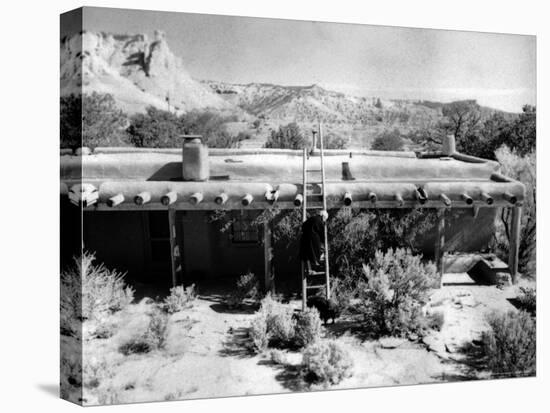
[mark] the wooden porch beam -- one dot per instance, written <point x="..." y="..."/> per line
<point x="440" y="244"/>
<point x="268" y="257"/>
<point x="513" y="253"/>
<point x="174" y="254"/>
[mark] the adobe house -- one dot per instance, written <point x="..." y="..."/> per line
<point x="146" y="211"/>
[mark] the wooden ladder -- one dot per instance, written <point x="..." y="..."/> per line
<point x="313" y="279"/>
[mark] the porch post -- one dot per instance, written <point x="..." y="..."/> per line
<point x="268" y="257"/>
<point x="174" y="253"/>
<point x="439" y="244"/>
<point x="513" y="253"/>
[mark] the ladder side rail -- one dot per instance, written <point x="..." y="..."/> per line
<point x="323" y="182"/>
<point x="304" y="188"/>
<point x="304" y="217"/>
<point x="321" y="149"/>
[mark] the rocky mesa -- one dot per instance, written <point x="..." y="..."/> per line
<point x="136" y="70"/>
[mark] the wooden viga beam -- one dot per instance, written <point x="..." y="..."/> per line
<point x="271" y="194"/>
<point x="445" y="199"/>
<point x="399" y="199"/>
<point x="196" y="198"/>
<point x="372" y="193"/>
<point x="466" y="198"/>
<point x="421" y="195"/>
<point x="510" y="198"/>
<point x="142" y="198"/>
<point x="115" y="200"/>
<point x="83" y="195"/>
<point x="487" y="198"/>
<point x="348" y="199"/>
<point x="363" y="194"/>
<point x="221" y="198"/>
<point x="469" y="193"/>
<point x="186" y="194"/>
<point x="169" y="198"/>
<point x="247" y="199"/>
<point x="432" y="195"/>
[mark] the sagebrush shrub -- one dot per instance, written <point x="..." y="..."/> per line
<point x="278" y="357"/>
<point x="71" y="372"/>
<point x="273" y="325"/>
<point x="357" y="235"/>
<point x="280" y="321"/>
<point x="135" y="345"/>
<point x="95" y="371"/>
<point x="394" y="288"/>
<point x="327" y="361"/>
<point x="258" y="332"/>
<point x="102" y="329"/>
<point x="103" y="290"/>
<point x="180" y="298"/>
<point x="435" y="320"/>
<point x="511" y="344"/>
<point x="247" y="287"/>
<point x="71" y="300"/>
<point x="157" y="330"/>
<point x="342" y="292"/>
<point x="154" y="337"/>
<point x="308" y="327"/>
<point x="527" y="299"/>
<point x="89" y="291"/>
<point x="109" y="395"/>
<point x="276" y="325"/>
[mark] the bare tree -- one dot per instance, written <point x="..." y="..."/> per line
<point x="463" y="117"/>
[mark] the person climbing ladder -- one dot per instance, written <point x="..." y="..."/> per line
<point x="314" y="254"/>
<point x="312" y="241"/>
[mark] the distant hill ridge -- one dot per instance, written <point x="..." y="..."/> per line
<point x="140" y="72"/>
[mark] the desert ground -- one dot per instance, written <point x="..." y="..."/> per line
<point x="208" y="354"/>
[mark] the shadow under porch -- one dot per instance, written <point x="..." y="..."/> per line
<point x="208" y="253"/>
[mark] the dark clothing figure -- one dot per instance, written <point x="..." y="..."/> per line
<point x="312" y="241"/>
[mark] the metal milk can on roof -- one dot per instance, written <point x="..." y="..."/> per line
<point x="194" y="159"/>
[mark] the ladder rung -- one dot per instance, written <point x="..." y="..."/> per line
<point x="314" y="170"/>
<point x="316" y="273"/>
<point x="311" y="287"/>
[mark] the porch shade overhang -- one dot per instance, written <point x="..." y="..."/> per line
<point x="132" y="179"/>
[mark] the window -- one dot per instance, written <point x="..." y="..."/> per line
<point x="243" y="230"/>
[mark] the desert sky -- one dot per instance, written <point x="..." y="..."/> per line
<point x="498" y="70"/>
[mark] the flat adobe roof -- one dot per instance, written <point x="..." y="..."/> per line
<point x="237" y="173"/>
